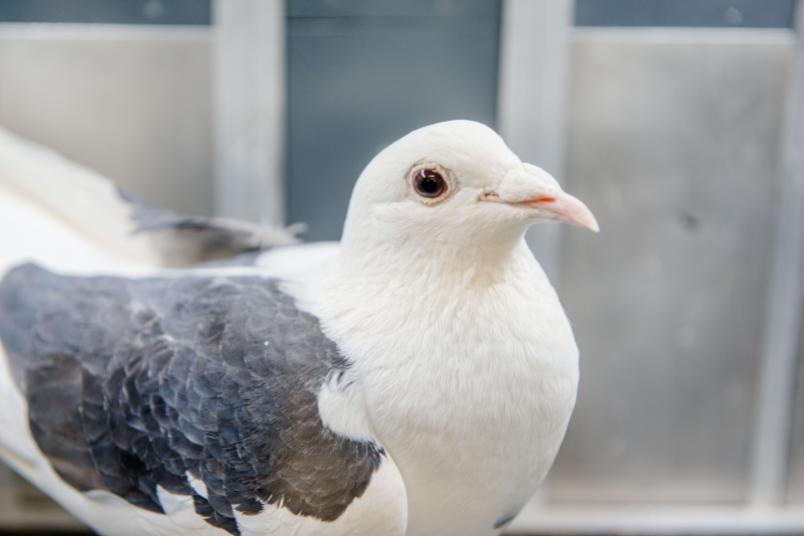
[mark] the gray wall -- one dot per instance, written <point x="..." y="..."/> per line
<point x="131" y="102"/>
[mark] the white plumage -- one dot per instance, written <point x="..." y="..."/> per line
<point x="462" y="366"/>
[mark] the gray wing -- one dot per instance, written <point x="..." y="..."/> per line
<point x="182" y="240"/>
<point x="134" y="384"/>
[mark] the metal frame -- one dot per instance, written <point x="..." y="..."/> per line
<point x="668" y="521"/>
<point x="249" y="103"/>
<point x="776" y="388"/>
<point x="534" y="52"/>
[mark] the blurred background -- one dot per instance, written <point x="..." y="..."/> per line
<point x="679" y="122"/>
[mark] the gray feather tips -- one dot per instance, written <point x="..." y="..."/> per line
<point x="182" y="240"/>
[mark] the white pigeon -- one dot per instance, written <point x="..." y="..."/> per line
<point x="416" y="378"/>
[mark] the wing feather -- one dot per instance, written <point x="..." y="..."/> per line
<point x="139" y="387"/>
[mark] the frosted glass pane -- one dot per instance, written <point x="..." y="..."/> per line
<point x="674" y="145"/>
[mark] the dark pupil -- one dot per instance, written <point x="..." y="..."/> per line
<point x="429" y="183"/>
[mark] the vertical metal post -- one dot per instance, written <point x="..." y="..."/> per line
<point x="534" y="53"/>
<point x="784" y="308"/>
<point x="249" y="100"/>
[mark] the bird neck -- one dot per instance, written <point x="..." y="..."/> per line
<point x="438" y="262"/>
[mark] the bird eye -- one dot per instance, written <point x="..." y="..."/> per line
<point x="429" y="183"/>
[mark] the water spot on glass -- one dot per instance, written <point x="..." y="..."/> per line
<point x="153" y="9"/>
<point x="689" y="221"/>
<point x="733" y="16"/>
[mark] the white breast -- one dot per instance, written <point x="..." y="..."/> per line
<point x="470" y="388"/>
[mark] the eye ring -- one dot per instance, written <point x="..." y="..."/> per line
<point x="429" y="183"/>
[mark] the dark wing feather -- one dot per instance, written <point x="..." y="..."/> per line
<point x="182" y="240"/>
<point x="133" y="384"/>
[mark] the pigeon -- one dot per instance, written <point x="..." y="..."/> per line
<point x="169" y="375"/>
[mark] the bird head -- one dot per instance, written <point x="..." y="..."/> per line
<point x="454" y="185"/>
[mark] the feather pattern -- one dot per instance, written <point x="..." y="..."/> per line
<point x="136" y="384"/>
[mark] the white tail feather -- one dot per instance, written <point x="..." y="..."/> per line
<point x="65" y="201"/>
<point x="67" y="216"/>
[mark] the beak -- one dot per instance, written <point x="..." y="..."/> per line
<point x="565" y="208"/>
<point x="531" y="186"/>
